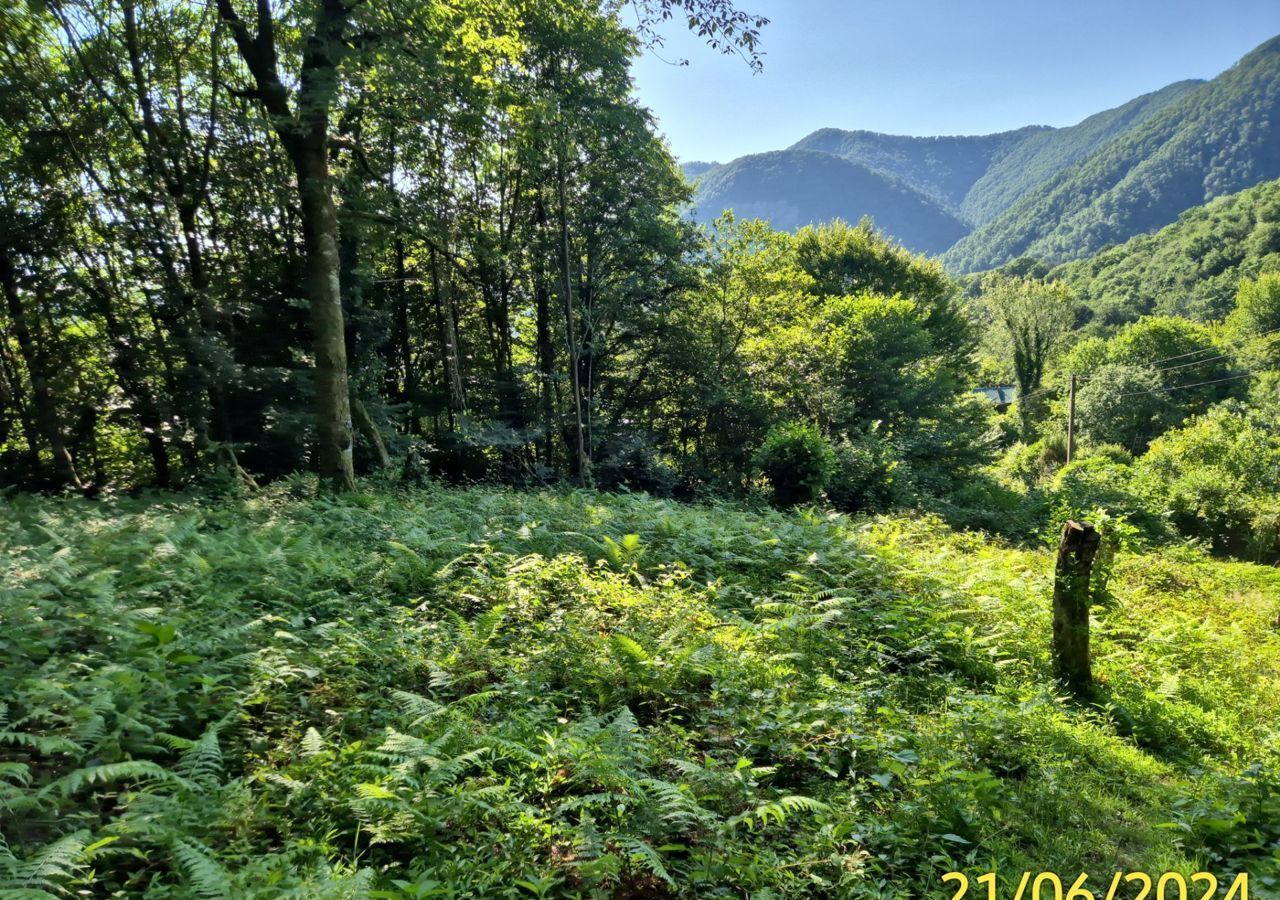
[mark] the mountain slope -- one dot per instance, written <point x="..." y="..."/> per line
<point x="944" y="168"/>
<point x="696" y="167"/>
<point x="1190" y="268"/>
<point x="1046" y="152"/>
<point x="1218" y="138"/>
<point x="791" y="188"/>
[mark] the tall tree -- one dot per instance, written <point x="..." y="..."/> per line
<point x="1033" y="317"/>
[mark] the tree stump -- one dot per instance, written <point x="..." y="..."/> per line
<point x="1071" y="601"/>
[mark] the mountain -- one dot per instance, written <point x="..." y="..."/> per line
<point x="1215" y="139"/>
<point x="1048" y="151"/>
<point x="944" y="168"/>
<point x="791" y="188"/>
<point x="1190" y="268"/>
<point x="696" y="167"/>
<point x="1053" y="193"/>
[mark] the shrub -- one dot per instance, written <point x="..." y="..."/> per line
<point x="982" y="503"/>
<point x="1030" y="464"/>
<point x="631" y="462"/>
<point x="1216" y="477"/>
<point x="797" y="461"/>
<point x="1122" y="404"/>
<point x="868" y="475"/>
<point x="1100" y="482"/>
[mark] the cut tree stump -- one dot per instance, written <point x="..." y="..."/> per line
<point x="1071" y="601"/>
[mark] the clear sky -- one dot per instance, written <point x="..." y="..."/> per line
<point x="930" y="67"/>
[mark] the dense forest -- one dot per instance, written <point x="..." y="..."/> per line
<point x="1191" y="268"/>
<point x="403" y="495"/>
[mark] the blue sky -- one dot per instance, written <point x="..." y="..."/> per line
<point x="936" y="66"/>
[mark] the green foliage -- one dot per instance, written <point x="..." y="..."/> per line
<point x="1031" y="318"/>
<point x="1192" y="267"/>
<point x="1255" y="322"/>
<point x="488" y="693"/>
<point x="869" y="475"/>
<point x="797" y="461"/>
<point x="1217" y="477"/>
<point x="1122" y="404"/>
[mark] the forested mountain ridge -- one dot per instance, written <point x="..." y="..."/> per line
<point x="944" y="168"/>
<point x="1191" y="268"/>
<point x="1218" y="138"/>
<point x="1048" y="151"/>
<point x="1052" y="193"/>
<point x="790" y="188"/>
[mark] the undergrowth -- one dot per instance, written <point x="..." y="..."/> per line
<point x="487" y="693"/>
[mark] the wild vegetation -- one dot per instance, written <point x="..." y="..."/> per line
<point x="403" y="497"/>
<point x="483" y="693"/>
<point x="1191" y="268"/>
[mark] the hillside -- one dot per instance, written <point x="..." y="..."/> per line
<point x="696" y="167"/>
<point x="1053" y="193"/>
<point x="790" y="188"/>
<point x="604" y="696"/>
<point x="1047" y="152"/>
<point x="1216" y="139"/>
<point x="944" y="168"/>
<point x="1190" y="268"/>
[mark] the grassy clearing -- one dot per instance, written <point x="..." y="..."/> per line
<point x="486" y="693"/>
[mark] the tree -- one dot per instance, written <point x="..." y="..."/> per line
<point x="1255" y="321"/>
<point x="1033" y="317"/>
<point x="1122" y="404"/>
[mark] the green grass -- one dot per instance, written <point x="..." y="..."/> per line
<point x="487" y="693"/>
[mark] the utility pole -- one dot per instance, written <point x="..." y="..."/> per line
<point x="1071" y="419"/>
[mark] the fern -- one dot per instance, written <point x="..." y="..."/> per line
<point x="207" y="878"/>
<point x="48" y="869"/>
<point x="777" y="811"/>
<point x="132" y="770"/>
<point x="641" y="853"/>
<point x="201" y="763"/>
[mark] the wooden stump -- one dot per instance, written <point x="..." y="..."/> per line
<point x="1071" y="601"/>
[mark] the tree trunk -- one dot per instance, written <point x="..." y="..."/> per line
<point x="566" y="287"/>
<point x="445" y="317"/>
<point x="328" y="333"/>
<point x="305" y="136"/>
<point x="42" y="394"/>
<point x="546" y="363"/>
<point x="369" y="429"/>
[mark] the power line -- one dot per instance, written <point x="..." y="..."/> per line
<point x="1275" y="334"/>
<point x="1180" y="387"/>
<point x="1211" y="349"/>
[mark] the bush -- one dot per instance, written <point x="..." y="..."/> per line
<point x="868" y="476"/>
<point x="797" y="461"/>
<point x="1100" y="482"/>
<point x="985" y="504"/>
<point x="631" y="462"/>
<point x="1216" y="479"/>
<point x="1030" y="464"/>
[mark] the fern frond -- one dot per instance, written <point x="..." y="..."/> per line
<point x="642" y="853"/>
<point x="208" y="879"/>
<point x="312" y="743"/>
<point x="130" y="770"/>
<point x="52" y="865"/>
<point x="201" y="763"/>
